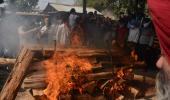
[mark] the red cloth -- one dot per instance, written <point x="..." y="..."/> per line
<point x="122" y="32"/>
<point x="160" y="13"/>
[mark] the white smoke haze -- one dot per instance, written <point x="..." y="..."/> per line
<point x="8" y="34"/>
<point x="9" y="38"/>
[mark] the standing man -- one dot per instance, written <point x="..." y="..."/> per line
<point x="44" y="32"/>
<point x="63" y="35"/>
<point x="160" y="13"/>
<point x="72" y="19"/>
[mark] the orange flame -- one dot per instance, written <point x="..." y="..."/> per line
<point x="60" y="69"/>
<point x="117" y="85"/>
<point x="134" y="55"/>
<point x="120" y="74"/>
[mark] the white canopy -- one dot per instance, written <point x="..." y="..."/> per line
<point x="67" y="8"/>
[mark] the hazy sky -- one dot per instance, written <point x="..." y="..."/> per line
<point x="67" y="1"/>
<point x="43" y="3"/>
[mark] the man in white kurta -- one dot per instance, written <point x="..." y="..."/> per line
<point x="63" y="35"/>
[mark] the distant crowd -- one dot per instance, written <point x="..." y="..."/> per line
<point x="76" y="30"/>
<point x="136" y="33"/>
<point x="132" y="32"/>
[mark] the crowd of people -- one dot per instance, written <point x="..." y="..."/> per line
<point x="136" y="33"/>
<point x="75" y="30"/>
<point x="90" y="29"/>
<point x="133" y="32"/>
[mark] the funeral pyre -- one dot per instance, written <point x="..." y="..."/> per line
<point x="65" y="72"/>
<point x="68" y="76"/>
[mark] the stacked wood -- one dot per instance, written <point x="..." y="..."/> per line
<point x="37" y="80"/>
<point x="36" y="74"/>
<point x="16" y="76"/>
<point x="81" y="52"/>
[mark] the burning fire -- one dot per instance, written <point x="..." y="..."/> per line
<point x="117" y="86"/>
<point x="134" y="55"/>
<point x="61" y="69"/>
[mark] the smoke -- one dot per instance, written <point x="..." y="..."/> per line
<point x="9" y="38"/>
<point x="8" y="35"/>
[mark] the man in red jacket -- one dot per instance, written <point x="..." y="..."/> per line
<point x="160" y="13"/>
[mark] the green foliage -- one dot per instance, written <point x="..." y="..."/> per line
<point x="98" y="4"/>
<point x="24" y="5"/>
<point x="117" y="6"/>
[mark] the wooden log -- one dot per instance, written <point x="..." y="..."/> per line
<point x="142" y="78"/>
<point x="35" y="85"/>
<point x="37" y="92"/>
<point x="16" y="76"/>
<point x="102" y="69"/>
<point x="103" y="85"/>
<point x="7" y="61"/>
<point x="36" y="67"/>
<point x="89" y="87"/>
<point x="99" y="76"/>
<point x="88" y="84"/>
<point x="86" y="52"/>
<point x="134" y="91"/>
<point x="81" y="52"/>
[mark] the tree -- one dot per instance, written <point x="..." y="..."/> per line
<point x="23" y="5"/>
<point x="97" y="4"/>
<point x="117" y="6"/>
